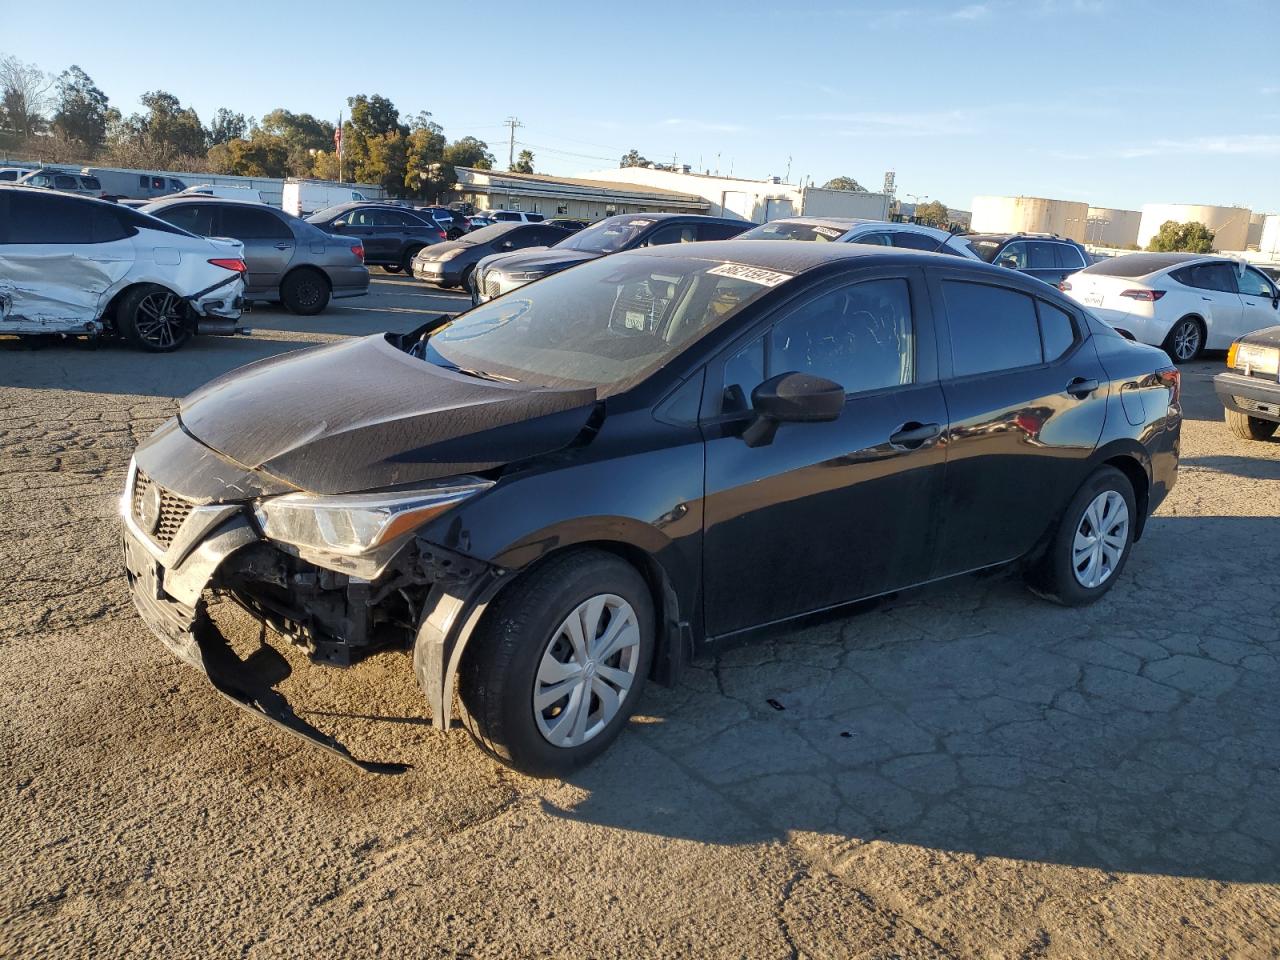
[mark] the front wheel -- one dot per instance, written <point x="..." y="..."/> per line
<point x="559" y="663"/>
<point x="1250" y="428"/>
<point x="1091" y="544"/>
<point x="406" y="262"/>
<point x="154" y="319"/>
<point x="1185" y="340"/>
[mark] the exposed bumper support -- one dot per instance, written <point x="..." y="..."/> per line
<point x="184" y="627"/>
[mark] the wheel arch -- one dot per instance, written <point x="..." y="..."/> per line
<point x="451" y="620"/>
<point x="1140" y="481"/>
<point x="309" y="268"/>
<point x="113" y="302"/>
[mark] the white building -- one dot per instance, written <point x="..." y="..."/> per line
<point x="1230" y="225"/>
<point x="577" y="197"/>
<point x="756" y="200"/>
<point x="1066" y="218"/>
<point x="1112" y="227"/>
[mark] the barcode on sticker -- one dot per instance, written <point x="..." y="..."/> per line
<point x="740" y="271"/>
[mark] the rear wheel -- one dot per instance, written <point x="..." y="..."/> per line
<point x="304" y="292"/>
<point x="1250" y="428"/>
<point x="1185" y="340"/>
<point x="1092" y="542"/>
<point x="558" y="664"/>
<point x="154" y="319"/>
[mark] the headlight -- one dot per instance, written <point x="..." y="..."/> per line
<point x="336" y="531"/>
<point x="527" y="275"/>
<point x="1254" y="358"/>
<point x="449" y="255"/>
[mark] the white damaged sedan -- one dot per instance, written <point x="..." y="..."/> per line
<point x="75" y="266"/>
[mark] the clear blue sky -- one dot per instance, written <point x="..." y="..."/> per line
<point x="1115" y="102"/>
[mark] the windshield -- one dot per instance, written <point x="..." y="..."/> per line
<point x="328" y="213"/>
<point x="607" y="236"/>
<point x="790" y="230"/>
<point x="985" y="249"/>
<point x="606" y="324"/>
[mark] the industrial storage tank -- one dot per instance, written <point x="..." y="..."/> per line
<point x="1256" y="222"/>
<point x="1230" y="225"/>
<point x="1066" y="218"/>
<point x="1269" y="243"/>
<point x="1110" y="227"/>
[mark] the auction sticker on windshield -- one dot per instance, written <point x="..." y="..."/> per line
<point x="827" y="232"/>
<point x="740" y="271"/>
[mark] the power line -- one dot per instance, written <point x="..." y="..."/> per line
<point x="567" y="153"/>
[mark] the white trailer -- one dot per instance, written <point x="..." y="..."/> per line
<point x="305" y="197"/>
<point x="817" y="202"/>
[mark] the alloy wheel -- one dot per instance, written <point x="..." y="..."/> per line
<point x="1186" y="340"/>
<point x="586" y="671"/>
<point x="160" y="319"/>
<point x="1100" y="541"/>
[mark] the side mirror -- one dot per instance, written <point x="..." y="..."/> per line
<point x="791" y="398"/>
<point x="338" y="226"/>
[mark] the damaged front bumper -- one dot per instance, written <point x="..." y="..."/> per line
<point x="176" y="550"/>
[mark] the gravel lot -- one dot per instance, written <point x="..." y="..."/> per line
<point x="960" y="772"/>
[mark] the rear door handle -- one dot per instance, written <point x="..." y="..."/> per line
<point x="284" y="246"/>
<point x="1081" y="388"/>
<point x="912" y="435"/>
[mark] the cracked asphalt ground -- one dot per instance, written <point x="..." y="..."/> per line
<point x="965" y="771"/>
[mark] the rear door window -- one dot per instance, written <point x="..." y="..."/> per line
<point x="718" y="231"/>
<point x="1042" y="256"/>
<point x="992" y="328"/>
<point x="195" y="218"/>
<point x="250" y="223"/>
<point x="913" y="241"/>
<point x="48" y="218"/>
<point x="64" y="182"/>
<point x="91" y="183"/>
<point x="1210" y="276"/>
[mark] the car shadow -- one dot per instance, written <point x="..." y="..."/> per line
<point x="1261" y="467"/>
<point x="1136" y="735"/>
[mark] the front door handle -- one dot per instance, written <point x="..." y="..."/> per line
<point x="912" y="435"/>
<point x="284" y="246"/>
<point x="1081" y="388"/>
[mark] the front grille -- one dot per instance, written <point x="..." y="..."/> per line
<point x="492" y="289"/>
<point x="173" y="510"/>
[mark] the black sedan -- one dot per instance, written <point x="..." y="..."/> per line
<point x="560" y="495"/>
<point x="450" y="264"/>
<point x="288" y="260"/>
<point x="504" y="272"/>
<point x="1248" y="389"/>
<point x="392" y="236"/>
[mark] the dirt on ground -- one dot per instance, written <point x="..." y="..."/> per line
<point x="963" y="771"/>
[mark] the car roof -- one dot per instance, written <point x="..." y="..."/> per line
<point x="1001" y="237"/>
<point x="843" y="223"/>
<point x="202" y="198"/>
<point x="1145" y="264"/>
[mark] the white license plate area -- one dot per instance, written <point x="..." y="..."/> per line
<point x="1092" y="299"/>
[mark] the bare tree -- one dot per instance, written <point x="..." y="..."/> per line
<point x="24" y="95"/>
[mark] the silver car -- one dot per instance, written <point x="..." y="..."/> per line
<point x="289" y="260"/>
<point x="83" y="185"/>
<point x="911" y="236"/>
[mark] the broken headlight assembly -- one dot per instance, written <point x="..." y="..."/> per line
<point x="357" y="533"/>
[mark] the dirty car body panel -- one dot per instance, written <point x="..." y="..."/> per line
<point x="732" y="525"/>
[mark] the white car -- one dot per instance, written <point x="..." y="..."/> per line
<point x="71" y="265"/>
<point x="1183" y="302"/>
<point x="910" y="236"/>
<point x="512" y="216"/>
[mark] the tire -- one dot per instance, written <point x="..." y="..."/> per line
<point x="1250" y="428"/>
<point x="1185" y="341"/>
<point x="305" y="292"/>
<point x="1057" y="575"/>
<point x="153" y="319"/>
<point x="406" y="262"/>
<point x="508" y="663"/>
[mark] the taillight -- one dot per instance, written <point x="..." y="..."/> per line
<point x="1171" y="377"/>
<point x="1064" y="285"/>
<point x="229" y="264"/>
<point x="443" y="235"/>
<point x="358" y="250"/>
<point x="1146" y="296"/>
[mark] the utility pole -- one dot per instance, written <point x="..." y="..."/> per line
<point x="512" y="122"/>
<point x="787" y="177"/>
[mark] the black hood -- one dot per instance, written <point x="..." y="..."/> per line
<point x="361" y="414"/>
<point x="549" y="259"/>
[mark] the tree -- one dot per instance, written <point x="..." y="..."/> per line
<point x="524" y="162"/>
<point x="426" y="174"/>
<point x="1177" y="237"/>
<point x="469" y="152"/>
<point x="167" y="132"/>
<point x="24" y="95"/>
<point x="227" y="126"/>
<point x="374" y="116"/>
<point x="632" y="158"/>
<point x="844" y="183"/>
<point x="261" y="155"/>
<point x="934" y="212"/>
<point x="82" y="109"/>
